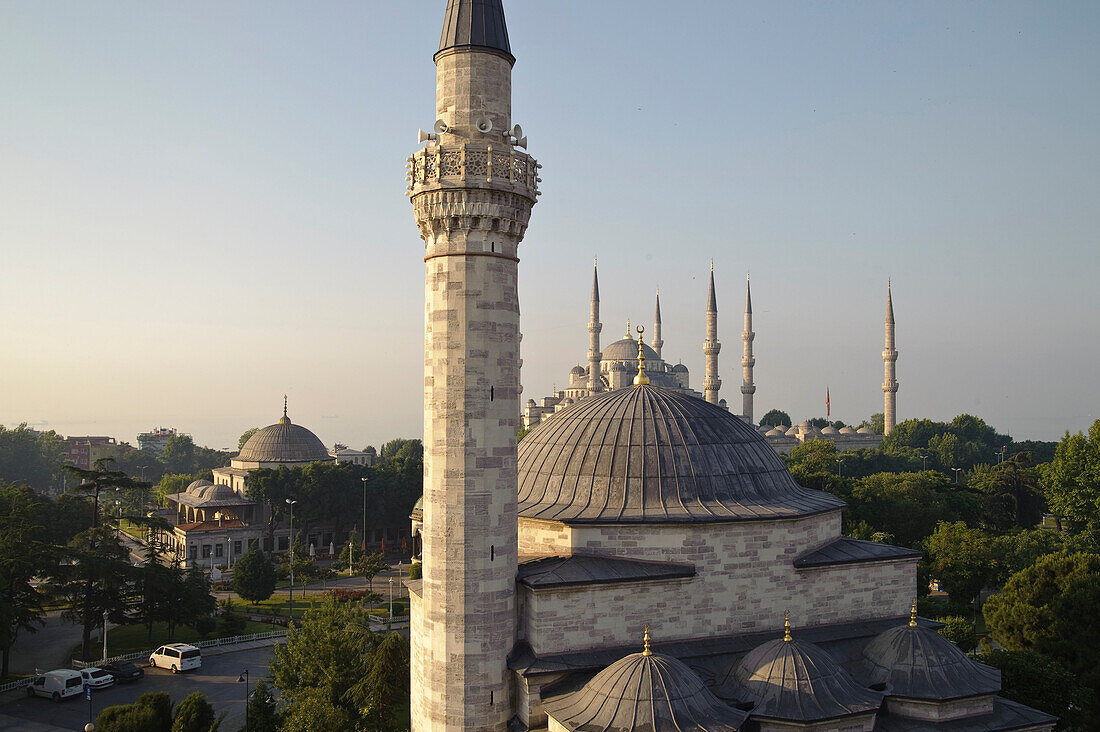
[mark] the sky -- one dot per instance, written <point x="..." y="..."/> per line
<point x="202" y="209"/>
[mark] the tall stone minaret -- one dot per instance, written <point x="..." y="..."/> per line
<point x="658" y="342"/>
<point x="889" y="359"/>
<point x="595" y="384"/>
<point x="472" y="194"/>
<point x="711" y="346"/>
<point x="748" y="388"/>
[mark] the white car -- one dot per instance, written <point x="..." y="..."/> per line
<point x="96" y="677"/>
<point x="176" y="657"/>
<point x="57" y="685"/>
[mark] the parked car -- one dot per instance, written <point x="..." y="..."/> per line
<point x="57" y="685"/>
<point x="123" y="671"/>
<point x="96" y="677"/>
<point x="176" y="657"/>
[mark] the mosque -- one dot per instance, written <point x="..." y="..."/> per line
<point x="643" y="560"/>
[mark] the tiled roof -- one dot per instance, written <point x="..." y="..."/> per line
<point x="550" y="572"/>
<point x="849" y="551"/>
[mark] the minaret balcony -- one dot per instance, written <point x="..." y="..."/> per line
<point x="474" y="165"/>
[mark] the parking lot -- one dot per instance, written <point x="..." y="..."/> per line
<point x="217" y="680"/>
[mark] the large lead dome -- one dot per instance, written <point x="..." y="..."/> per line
<point x="283" y="442"/>
<point x="647" y="454"/>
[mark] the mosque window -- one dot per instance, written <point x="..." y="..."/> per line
<point x="492" y="552"/>
<point x="491" y="392"/>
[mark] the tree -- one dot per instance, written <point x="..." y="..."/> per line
<point x="386" y="686"/>
<point x="1042" y="683"/>
<point x="1036" y="609"/>
<point x="152" y="712"/>
<point x="369" y="565"/>
<point x="305" y="568"/>
<point x="30" y="457"/>
<point x="909" y="505"/>
<point x="23" y="557"/>
<point x="93" y="578"/>
<point x="1010" y="492"/>
<point x="815" y="456"/>
<point x="194" y="714"/>
<point x="179" y="454"/>
<point x="254" y="576"/>
<point x="1071" y="482"/>
<point x="959" y="631"/>
<point x="776" y="418"/>
<point x="963" y="559"/>
<point x="262" y="713"/>
<point x="245" y="435"/>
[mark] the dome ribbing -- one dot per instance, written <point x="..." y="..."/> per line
<point x="916" y="662"/>
<point x="283" y="442"/>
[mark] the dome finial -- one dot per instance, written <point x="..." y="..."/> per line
<point x="787" y="627"/>
<point x="285" y="419"/>
<point x="641" y="379"/>
<point x="645" y="642"/>
<point x="628" y="335"/>
<point x="913" y="615"/>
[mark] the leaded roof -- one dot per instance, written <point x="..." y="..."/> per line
<point x="477" y="24"/>
<point x="284" y="442"/>
<point x="648" y="454"/>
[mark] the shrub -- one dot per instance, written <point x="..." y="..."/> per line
<point x="416" y="570"/>
<point x="959" y="631"/>
<point x="938" y="608"/>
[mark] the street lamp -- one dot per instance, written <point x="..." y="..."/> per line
<point x="838" y="462"/>
<point x="104" y="636"/>
<point x="1003" y="450"/>
<point x="924" y="459"/>
<point x="957" y="471"/>
<point x="291" y="504"/>
<point x="244" y="677"/>
<point x="391" y="599"/>
<point x="364" y="537"/>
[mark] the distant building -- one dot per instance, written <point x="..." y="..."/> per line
<point x="82" y="452"/>
<point x="343" y="454"/>
<point x="156" y="440"/>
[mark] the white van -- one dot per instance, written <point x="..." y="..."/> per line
<point x="57" y="685"/>
<point x="176" y="657"/>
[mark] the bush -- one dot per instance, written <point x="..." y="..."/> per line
<point x="152" y="712"/>
<point x="232" y="624"/>
<point x="939" y="608"/>
<point x="416" y="570"/>
<point x="960" y="631"/>
<point x="1042" y="683"/>
<point x="342" y="595"/>
<point x="205" y="625"/>
<point x="194" y="714"/>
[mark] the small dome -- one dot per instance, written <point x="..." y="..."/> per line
<point x="531" y="403"/>
<point x="211" y="492"/>
<point x="679" y="369"/>
<point x="791" y="431"/>
<point x="865" y="431"/>
<point x="916" y="662"/>
<point x="644" y="692"/>
<point x="830" y="430"/>
<point x="846" y="430"/>
<point x="198" y="485"/>
<point x="797" y="681"/>
<point x="764" y="429"/>
<point x="776" y="432"/>
<point x="284" y="442"/>
<point x="577" y="370"/>
<point x="627" y="350"/>
<point x="645" y="454"/>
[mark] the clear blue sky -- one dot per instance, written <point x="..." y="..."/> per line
<point x="201" y="204"/>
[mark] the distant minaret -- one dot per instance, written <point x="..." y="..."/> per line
<point x="472" y="193"/>
<point x="711" y="346"/>
<point x="889" y="359"/>
<point x="747" y="361"/>
<point x="657" y="342"/>
<point x="595" y="384"/>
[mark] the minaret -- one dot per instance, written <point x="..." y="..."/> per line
<point x="658" y="343"/>
<point x="711" y="346"/>
<point x="472" y="194"/>
<point x="595" y="384"/>
<point x="748" y="388"/>
<point x="889" y="359"/>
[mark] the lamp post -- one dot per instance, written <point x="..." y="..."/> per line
<point x="924" y="462"/>
<point x="244" y="677"/>
<point x="291" y="504"/>
<point x="838" y="462"/>
<point x="104" y="636"/>
<point x="1003" y="450"/>
<point x="364" y="537"/>
<point x="957" y="471"/>
<point x="391" y="599"/>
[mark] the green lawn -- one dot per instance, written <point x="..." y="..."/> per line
<point x="279" y="605"/>
<point x="132" y="638"/>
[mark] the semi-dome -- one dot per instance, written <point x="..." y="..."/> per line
<point x="648" y="454"/>
<point x="627" y="350"/>
<point x="797" y="681"/>
<point x="644" y="692"/>
<point x="198" y="484"/>
<point x="916" y="662"/>
<point x="283" y="442"/>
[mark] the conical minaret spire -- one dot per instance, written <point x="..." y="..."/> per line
<point x="658" y="343"/>
<point x="711" y="346"/>
<point x="748" y="388"/>
<point x="595" y="383"/>
<point x="472" y="192"/>
<point x="889" y="360"/>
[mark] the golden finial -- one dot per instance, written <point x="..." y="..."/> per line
<point x="787" y="626"/>
<point x="913" y="615"/>
<point x="628" y="335"/>
<point x="645" y="643"/>
<point x="595" y="261"/>
<point x="641" y="379"/>
<point x="712" y="265"/>
<point x="285" y="419"/>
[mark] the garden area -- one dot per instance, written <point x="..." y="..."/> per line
<point x="133" y="638"/>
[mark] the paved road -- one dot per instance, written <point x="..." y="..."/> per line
<point x="217" y="680"/>
<point x="49" y="648"/>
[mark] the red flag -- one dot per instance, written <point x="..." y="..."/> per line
<point x="826" y="402"/>
<point x="383" y="545"/>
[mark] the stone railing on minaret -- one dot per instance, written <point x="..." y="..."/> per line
<point x="748" y="388"/>
<point x="595" y="327"/>
<point x="472" y="192"/>
<point x="889" y="360"/>
<point x="711" y="346"/>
